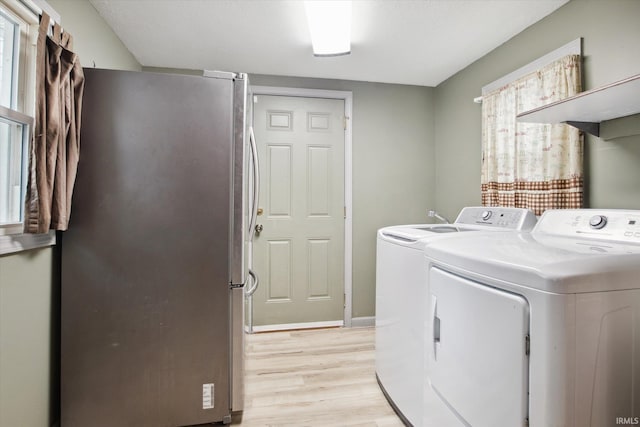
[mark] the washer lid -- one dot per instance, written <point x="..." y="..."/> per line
<point x="415" y="232"/>
<point x="549" y="263"/>
<point x="416" y="235"/>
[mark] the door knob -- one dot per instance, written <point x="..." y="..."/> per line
<point x="259" y="228"/>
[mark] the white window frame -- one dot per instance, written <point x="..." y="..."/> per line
<point x="26" y="14"/>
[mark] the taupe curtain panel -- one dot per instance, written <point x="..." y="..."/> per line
<point x="530" y="165"/>
<point x="53" y="159"/>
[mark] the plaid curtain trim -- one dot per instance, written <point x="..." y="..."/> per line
<point x="537" y="196"/>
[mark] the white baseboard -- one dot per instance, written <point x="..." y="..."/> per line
<point x="291" y="326"/>
<point x="363" y="322"/>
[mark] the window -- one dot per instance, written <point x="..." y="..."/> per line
<point x="16" y="57"/>
<point x="18" y="35"/>
<point x="9" y="37"/>
<point x="15" y="135"/>
<point x="532" y="165"/>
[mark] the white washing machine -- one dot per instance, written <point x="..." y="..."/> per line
<point x="538" y="329"/>
<point x="400" y="295"/>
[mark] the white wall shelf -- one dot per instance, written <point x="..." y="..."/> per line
<point x="587" y="109"/>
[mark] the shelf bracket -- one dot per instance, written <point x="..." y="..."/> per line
<point x="589" y="127"/>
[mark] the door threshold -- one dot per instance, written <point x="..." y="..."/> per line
<point x="294" y="326"/>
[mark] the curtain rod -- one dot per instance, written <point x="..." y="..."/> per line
<point x="39" y="6"/>
<point x="573" y="47"/>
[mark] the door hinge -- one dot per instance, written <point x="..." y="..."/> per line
<point x="344" y="122"/>
<point x="345" y="212"/>
<point x="527" y="345"/>
<point x="344" y="300"/>
<point x="526" y="422"/>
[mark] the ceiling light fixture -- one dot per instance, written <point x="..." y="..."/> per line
<point x="330" y="26"/>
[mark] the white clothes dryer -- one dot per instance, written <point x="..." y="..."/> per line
<point x="538" y="329"/>
<point x="400" y="296"/>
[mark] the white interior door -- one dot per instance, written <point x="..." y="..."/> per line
<point x="299" y="252"/>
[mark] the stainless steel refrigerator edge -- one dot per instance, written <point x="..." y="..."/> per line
<point x="153" y="264"/>
<point x="246" y="189"/>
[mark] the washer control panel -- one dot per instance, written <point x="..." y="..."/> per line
<point x="598" y="221"/>
<point x="498" y="217"/>
<point x="599" y="224"/>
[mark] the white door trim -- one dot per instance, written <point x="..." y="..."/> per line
<point x="347" y="96"/>
<point x="292" y="326"/>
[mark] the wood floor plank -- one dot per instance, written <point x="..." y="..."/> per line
<point x="321" y="377"/>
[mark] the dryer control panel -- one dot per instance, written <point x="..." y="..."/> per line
<point x="617" y="225"/>
<point x="499" y="217"/>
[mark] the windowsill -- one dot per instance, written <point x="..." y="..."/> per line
<point x="23" y="242"/>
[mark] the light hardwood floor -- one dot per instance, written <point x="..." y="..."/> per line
<point x="321" y="377"/>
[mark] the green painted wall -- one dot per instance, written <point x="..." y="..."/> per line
<point x="94" y="41"/>
<point x="610" y="34"/>
<point x="26" y="338"/>
<point x="393" y="157"/>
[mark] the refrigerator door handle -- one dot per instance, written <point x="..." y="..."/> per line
<point x="256" y="281"/>
<point x="256" y="183"/>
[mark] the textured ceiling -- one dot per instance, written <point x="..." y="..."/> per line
<point x="419" y="42"/>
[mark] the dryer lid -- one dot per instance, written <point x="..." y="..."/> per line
<point x="540" y="261"/>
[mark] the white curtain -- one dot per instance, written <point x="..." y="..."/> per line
<point x="528" y="165"/>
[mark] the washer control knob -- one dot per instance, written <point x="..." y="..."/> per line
<point x="486" y="215"/>
<point x="598" y="221"/>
